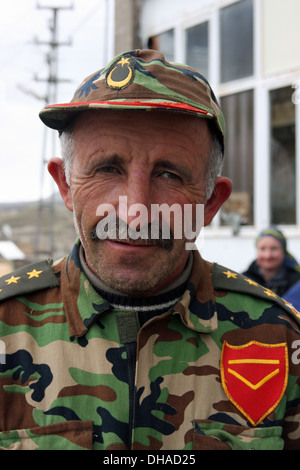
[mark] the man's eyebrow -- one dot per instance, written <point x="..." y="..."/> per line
<point x="95" y="161"/>
<point x="112" y="160"/>
<point x="181" y="170"/>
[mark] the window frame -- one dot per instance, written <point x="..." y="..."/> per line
<point x="219" y="39"/>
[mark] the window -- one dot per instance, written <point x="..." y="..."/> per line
<point x="236" y="41"/>
<point x="238" y="162"/>
<point x="282" y="157"/>
<point x="196" y="48"/>
<point x="164" y="43"/>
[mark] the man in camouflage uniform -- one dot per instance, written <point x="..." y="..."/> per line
<point x="132" y="345"/>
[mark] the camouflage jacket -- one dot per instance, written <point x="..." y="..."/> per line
<point x="220" y="370"/>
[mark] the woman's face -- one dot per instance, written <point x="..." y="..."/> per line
<point x="270" y="254"/>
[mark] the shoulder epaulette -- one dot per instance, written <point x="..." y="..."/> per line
<point x="229" y="280"/>
<point x="27" y="279"/>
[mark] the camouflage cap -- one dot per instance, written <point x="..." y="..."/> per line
<point x="140" y="79"/>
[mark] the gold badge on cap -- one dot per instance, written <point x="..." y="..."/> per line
<point x="120" y="73"/>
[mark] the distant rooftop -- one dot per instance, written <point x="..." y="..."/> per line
<point x="9" y="251"/>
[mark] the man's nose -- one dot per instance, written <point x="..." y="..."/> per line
<point x="136" y="199"/>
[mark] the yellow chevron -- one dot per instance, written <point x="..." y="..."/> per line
<point x="251" y="385"/>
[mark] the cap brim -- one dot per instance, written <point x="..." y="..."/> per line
<point x="58" y="116"/>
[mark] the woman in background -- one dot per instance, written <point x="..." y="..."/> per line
<point x="274" y="267"/>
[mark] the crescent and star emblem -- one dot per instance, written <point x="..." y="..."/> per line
<point x="121" y="74"/>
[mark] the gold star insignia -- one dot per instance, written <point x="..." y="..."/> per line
<point x="34" y="273"/>
<point x="270" y="293"/>
<point x="252" y="283"/>
<point x="1" y="290"/>
<point x="12" y="280"/>
<point x="288" y="304"/>
<point x="123" y="61"/>
<point x="229" y="274"/>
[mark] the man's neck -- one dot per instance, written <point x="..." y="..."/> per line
<point x="267" y="274"/>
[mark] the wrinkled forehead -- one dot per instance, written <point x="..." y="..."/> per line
<point x="154" y="132"/>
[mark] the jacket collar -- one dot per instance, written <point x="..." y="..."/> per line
<point x="81" y="302"/>
<point x="197" y="307"/>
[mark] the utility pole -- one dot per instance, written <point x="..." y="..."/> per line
<point x="52" y="82"/>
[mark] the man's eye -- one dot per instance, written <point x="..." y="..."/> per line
<point x="107" y="169"/>
<point x="168" y="175"/>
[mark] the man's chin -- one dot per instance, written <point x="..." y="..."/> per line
<point x="137" y="285"/>
<point x="135" y="268"/>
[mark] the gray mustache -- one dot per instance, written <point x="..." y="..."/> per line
<point x="154" y="233"/>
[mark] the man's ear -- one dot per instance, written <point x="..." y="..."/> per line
<point x="222" y="191"/>
<point x="56" y="170"/>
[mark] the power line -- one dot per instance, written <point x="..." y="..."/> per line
<point x="52" y="81"/>
<point x="52" y="57"/>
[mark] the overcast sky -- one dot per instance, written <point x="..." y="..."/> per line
<point x="21" y="59"/>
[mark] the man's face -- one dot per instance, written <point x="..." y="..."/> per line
<point x="149" y="158"/>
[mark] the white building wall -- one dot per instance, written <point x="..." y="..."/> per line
<point x="281" y="38"/>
